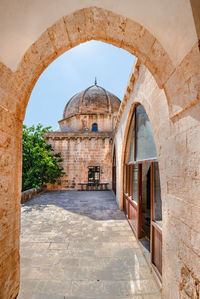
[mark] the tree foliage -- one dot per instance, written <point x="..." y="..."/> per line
<point x="40" y="164"/>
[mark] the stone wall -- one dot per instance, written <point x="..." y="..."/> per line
<point x="80" y="150"/>
<point x="30" y="193"/>
<point x="178" y="148"/>
<point x="10" y="194"/>
<point x="83" y="122"/>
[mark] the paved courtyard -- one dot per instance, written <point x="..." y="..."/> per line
<point x="78" y="245"/>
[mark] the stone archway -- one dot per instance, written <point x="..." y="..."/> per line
<point x="181" y="86"/>
<point x="84" y="25"/>
<point x="153" y="107"/>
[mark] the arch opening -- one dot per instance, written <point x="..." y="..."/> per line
<point x="87" y="24"/>
<point x="141" y="191"/>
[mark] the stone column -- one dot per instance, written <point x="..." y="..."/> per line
<point x="10" y="188"/>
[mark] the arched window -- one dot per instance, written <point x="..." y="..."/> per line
<point x="142" y="191"/>
<point x="94" y="127"/>
<point x="140" y="142"/>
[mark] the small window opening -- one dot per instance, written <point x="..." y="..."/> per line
<point x="94" y="127"/>
<point x="93" y="174"/>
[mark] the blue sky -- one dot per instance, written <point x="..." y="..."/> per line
<point x="74" y="71"/>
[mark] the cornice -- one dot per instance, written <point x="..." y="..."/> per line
<point x="77" y="135"/>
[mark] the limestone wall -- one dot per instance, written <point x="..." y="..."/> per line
<point x="83" y="122"/>
<point x="178" y="147"/>
<point x="30" y="193"/>
<point x="10" y="205"/>
<point x="79" y="152"/>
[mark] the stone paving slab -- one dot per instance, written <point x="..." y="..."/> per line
<point x="78" y="245"/>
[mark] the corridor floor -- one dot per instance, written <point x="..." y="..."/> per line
<point x="78" y="245"/>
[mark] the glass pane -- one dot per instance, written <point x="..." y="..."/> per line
<point x="131" y="156"/>
<point x="127" y="178"/>
<point x="130" y="141"/>
<point x="130" y="180"/>
<point x="135" y="182"/>
<point x="145" y="145"/>
<point x="157" y="195"/>
<point x="94" y="127"/>
<point x="146" y="201"/>
<point x="124" y="178"/>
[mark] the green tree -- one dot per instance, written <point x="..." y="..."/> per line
<point x="40" y="164"/>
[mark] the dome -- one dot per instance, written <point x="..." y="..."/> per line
<point x="95" y="99"/>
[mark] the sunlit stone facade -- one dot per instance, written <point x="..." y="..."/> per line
<point x="85" y="137"/>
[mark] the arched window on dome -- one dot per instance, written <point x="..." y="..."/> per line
<point x="94" y="127"/>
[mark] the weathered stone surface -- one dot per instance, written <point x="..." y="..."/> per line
<point x="178" y="149"/>
<point x="30" y="193"/>
<point x="79" y="153"/>
<point x="136" y="37"/>
<point x="45" y="49"/>
<point x="183" y="87"/>
<point x="190" y="286"/>
<point x="75" y="26"/>
<point x="5" y="76"/>
<point x="59" y="36"/>
<point x="96" y="23"/>
<point x="79" y="245"/>
<point x="80" y="147"/>
<point x="159" y="63"/>
<point x="115" y="29"/>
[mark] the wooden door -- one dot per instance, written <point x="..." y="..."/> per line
<point x="114" y="173"/>
<point x="131" y="204"/>
<point x="156" y="227"/>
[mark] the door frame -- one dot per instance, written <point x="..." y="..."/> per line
<point x="129" y="203"/>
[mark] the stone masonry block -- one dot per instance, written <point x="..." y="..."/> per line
<point x="190" y="67"/>
<point x="9" y="281"/>
<point x="45" y="49"/>
<point x="7" y="101"/>
<point x="183" y="87"/>
<point x="115" y="28"/>
<point x="177" y="92"/>
<point x="7" y="120"/>
<point x="190" y="284"/>
<point x="188" y="119"/>
<point x="191" y="63"/>
<point x="59" y="36"/>
<point x="32" y="61"/>
<point x="10" y="91"/>
<point x="159" y="63"/>
<point x="96" y="23"/>
<point x="137" y="37"/>
<point x="189" y="257"/>
<point x="28" y="72"/>
<point x="5" y="76"/>
<point x="75" y="26"/>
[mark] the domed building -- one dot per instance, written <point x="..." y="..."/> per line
<point x="84" y="139"/>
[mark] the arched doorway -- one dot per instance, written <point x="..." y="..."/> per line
<point x="142" y="193"/>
